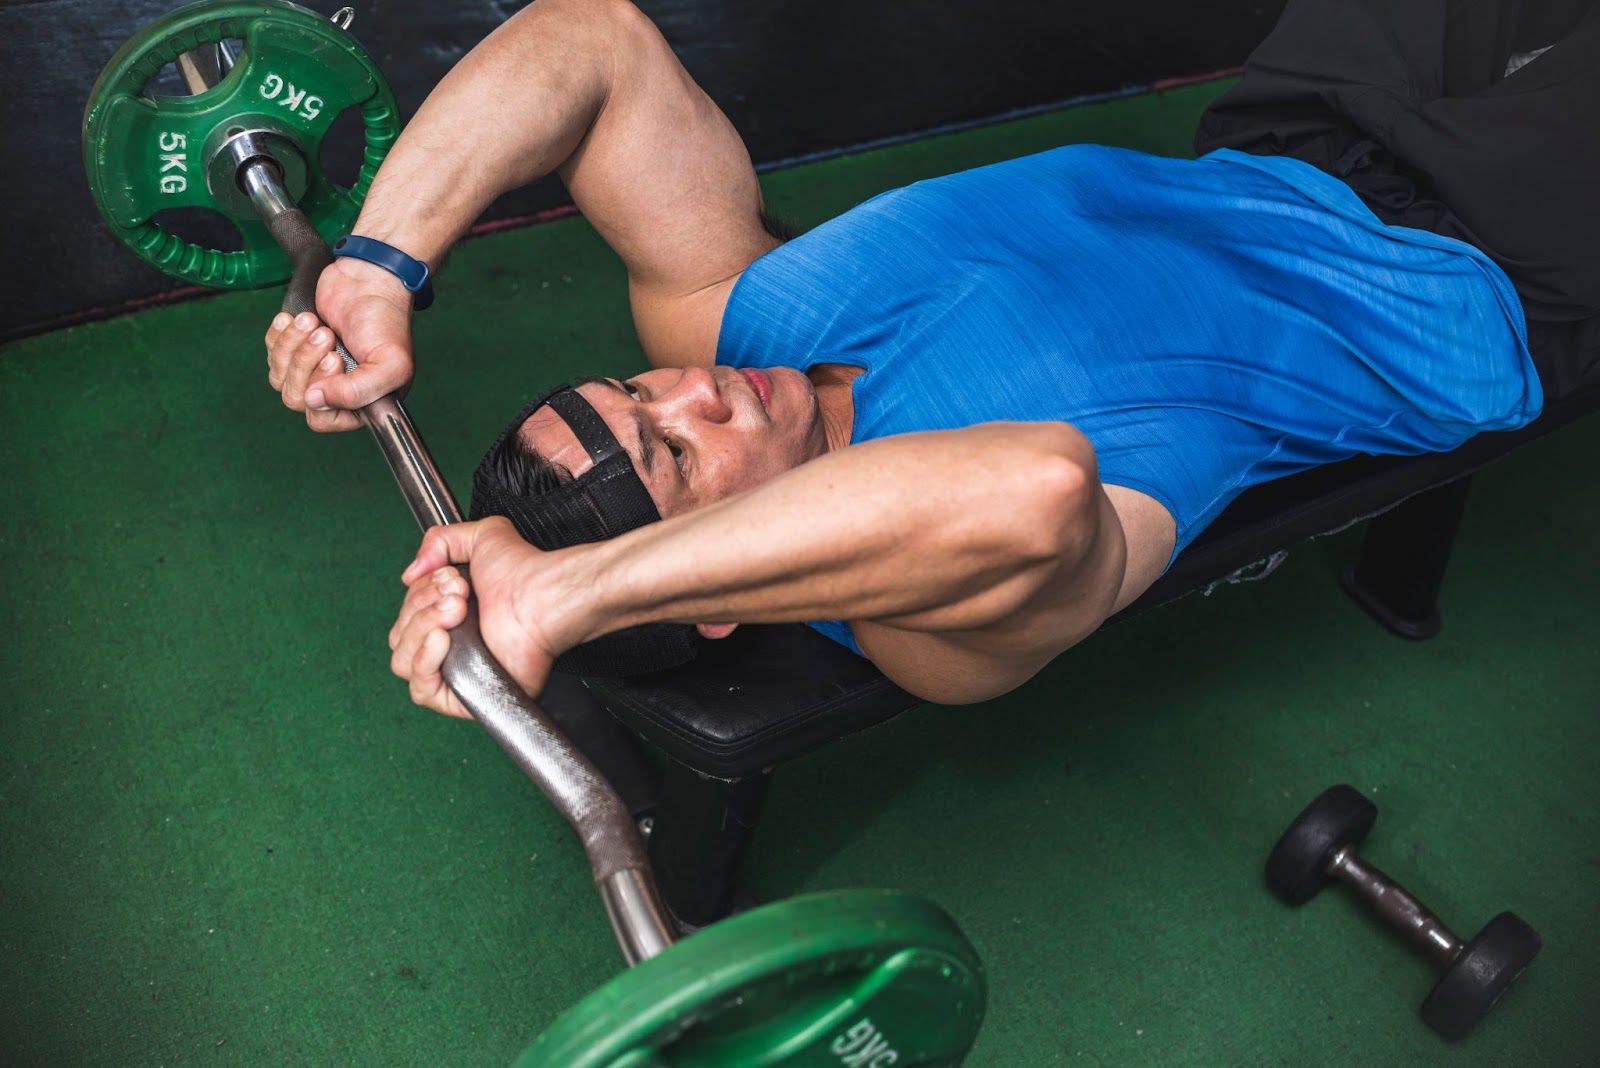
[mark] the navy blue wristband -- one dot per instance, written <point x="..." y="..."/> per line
<point x="413" y="274"/>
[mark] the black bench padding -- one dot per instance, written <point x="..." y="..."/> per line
<point x="754" y="699"/>
<point x="768" y="694"/>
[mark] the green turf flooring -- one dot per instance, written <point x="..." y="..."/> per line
<point x="227" y="838"/>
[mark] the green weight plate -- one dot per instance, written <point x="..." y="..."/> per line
<point x="297" y="72"/>
<point x="849" y="979"/>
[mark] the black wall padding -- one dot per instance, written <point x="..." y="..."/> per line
<point x="795" y="76"/>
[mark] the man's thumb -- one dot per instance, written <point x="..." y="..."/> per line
<point x="353" y="390"/>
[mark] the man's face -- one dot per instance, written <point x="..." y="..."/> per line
<point x="695" y="435"/>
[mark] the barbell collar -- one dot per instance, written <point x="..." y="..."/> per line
<point x="260" y="169"/>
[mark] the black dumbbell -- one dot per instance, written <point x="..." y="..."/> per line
<point x="1321" y="845"/>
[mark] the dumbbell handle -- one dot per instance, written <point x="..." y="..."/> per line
<point x="1390" y="900"/>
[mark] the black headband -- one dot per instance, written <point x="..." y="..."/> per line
<point x="586" y="424"/>
<point x="606" y="500"/>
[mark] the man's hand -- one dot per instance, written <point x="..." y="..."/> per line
<point x="505" y="569"/>
<point x="371" y="311"/>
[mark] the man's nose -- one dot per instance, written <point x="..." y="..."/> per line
<point x="696" y="393"/>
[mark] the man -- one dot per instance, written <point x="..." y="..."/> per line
<point x="965" y="422"/>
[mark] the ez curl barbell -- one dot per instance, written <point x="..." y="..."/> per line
<point x="864" y="978"/>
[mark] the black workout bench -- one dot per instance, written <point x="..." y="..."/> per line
<point x="768" y="694"/>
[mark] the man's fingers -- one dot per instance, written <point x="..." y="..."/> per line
<point x="373" y="316"/>
<point x="311" y="351"/>
<point x="306" y="368"/>
<point x="319" y="417"/>
<point x="422" y="641"/>
<point x="407" y="634"/>
<point x="293" y="353"/>
<point x="283" y="340"/>
<point x="448" y="544"/>
<point x="432" y="644"/>
<point x="279" y="323"/>
<point x="428" y="687"/>
<point x="329" y="422"/>
<point x="420" y="637"/>
<point x="383" y="371"/>
<point x="436" y="617"/>
<point x="446" y="581"/>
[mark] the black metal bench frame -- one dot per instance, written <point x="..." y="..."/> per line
<point x="720" y="725"/>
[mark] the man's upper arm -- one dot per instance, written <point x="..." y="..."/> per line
<point x="1043" y="611"/>
<point x="665" y="178"/>
<point x="941" y="667"/>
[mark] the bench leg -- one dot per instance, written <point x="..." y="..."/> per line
<point x="698" y="836"/>
<point x="1404" y="558"/>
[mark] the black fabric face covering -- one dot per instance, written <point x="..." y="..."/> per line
<point x="603" y="502"/>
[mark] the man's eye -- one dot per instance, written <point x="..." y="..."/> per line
<point x="633" y="390"/>
<point x="677" y="453"/>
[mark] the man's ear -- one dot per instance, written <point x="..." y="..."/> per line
<point x="716" y="630"/>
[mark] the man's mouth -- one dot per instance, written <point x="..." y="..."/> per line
<point x="761" y="384"/>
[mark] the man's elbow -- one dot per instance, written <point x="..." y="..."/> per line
<point x="1059" y="502"/>
<point x="614" y="28"/>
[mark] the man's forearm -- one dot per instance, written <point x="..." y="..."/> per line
<point x="942" y="531"/>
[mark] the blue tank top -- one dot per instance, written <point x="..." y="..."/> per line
<point x="1207" y="324"/>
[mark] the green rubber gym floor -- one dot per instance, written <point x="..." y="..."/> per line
<point x="229" y="838"/>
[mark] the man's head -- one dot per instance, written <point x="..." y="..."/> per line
<point x="694" y="436"/>
<point x="608" y="456"/>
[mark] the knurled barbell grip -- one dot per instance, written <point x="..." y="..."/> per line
<point x="1389" y="900"/>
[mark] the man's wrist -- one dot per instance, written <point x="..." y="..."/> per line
<point x="584" y="596"/>
<point x="365" y="273"/>
<point x="348" y="283"/>
<point x="418" y="236"/>
<point x="413" y="274"/>
<point x="564" y="603"/>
